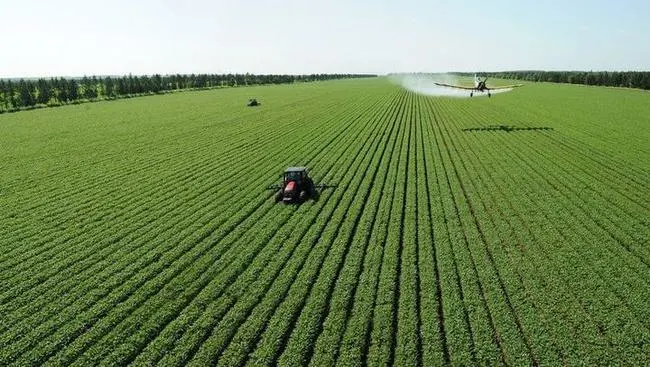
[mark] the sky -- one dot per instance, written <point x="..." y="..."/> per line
<point x="76" y="38"/>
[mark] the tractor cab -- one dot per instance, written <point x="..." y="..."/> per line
<point x="297" y="185"/>
<point x="295" y="174"/>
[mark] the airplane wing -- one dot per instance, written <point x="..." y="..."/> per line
<point x="506" y="87"/>
<point x="454" y="86"/>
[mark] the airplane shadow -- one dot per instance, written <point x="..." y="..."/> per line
<point x="506" y="128"/>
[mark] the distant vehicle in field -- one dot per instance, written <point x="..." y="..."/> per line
<point x="479" y="86"/>
<point x="253" y="102"/>
<point x="296" y="186"/>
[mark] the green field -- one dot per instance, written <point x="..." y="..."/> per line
<point x="512" y="230"/>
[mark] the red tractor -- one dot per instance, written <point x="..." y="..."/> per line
<point x="296" y="186"/>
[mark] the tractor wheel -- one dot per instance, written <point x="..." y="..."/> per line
<point x="303" y="195"/>
<point x="278" y="196"/>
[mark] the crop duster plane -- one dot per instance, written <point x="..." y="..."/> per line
<point x="479" y="86"/>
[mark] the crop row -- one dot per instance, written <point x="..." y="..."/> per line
<point x="159" y="260"/>
<point x="509" y="148"/>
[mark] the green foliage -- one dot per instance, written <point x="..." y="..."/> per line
<point x="624" y="79"/>
<point x="139" y="232"/>
<point x="59" y="91"/>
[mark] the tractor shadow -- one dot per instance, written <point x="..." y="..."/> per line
<point x="316" y="194"/>
<point x="506" y="128"/>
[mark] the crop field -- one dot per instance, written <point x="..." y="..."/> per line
<point x="512" y="230"/>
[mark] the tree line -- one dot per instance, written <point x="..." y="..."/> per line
<point x="626" y="79"/>
<point x="24" y="94"/>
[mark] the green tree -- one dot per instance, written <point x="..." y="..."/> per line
<point x="11" y="95"/>
<point x="156" y="83"/>
<point x="73" y="90"/>
<point x="109" y="87"/>
<point x="61" y="86"/>
<point x="44" y="91"/>
<point x="26" y="93"/>
<point x="89" y="88"/>
<point x="4" y="96"/>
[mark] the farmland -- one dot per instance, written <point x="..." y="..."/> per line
<point x="512" y="230"/>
